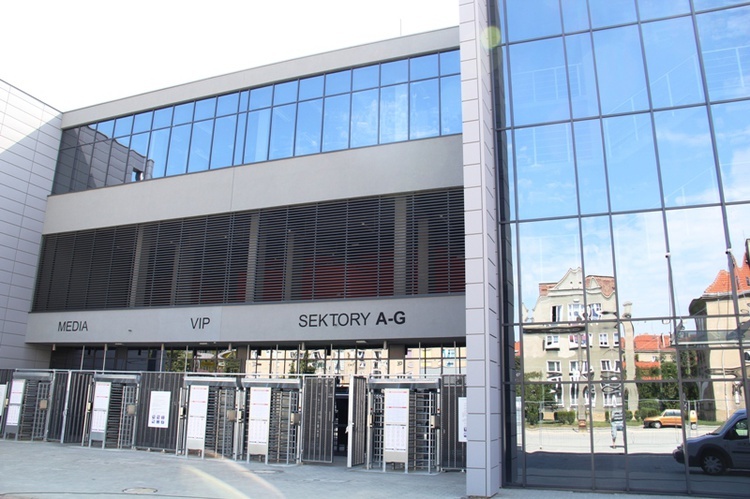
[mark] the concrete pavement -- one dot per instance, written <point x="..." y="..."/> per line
<point x="44" y="470"/>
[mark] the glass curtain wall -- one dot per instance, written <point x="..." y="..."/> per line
<point x="625" y="128"/>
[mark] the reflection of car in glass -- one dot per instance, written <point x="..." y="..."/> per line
<point x="670" y="417"/>
<point x="728" y="447"/>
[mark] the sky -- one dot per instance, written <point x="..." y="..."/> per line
<point x="75" y="53"/>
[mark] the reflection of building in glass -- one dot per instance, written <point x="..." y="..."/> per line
<point x="717" y="336"/>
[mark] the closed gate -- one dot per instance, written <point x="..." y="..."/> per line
<point x="453" y="444"/>
<point x="318" y="412"/>
<point x="272" y="419"/>
<point x="113" y="410"/>
<point x="357" y="424"/>
<point x="27" y="415"/>
<point x="211" y="416"/>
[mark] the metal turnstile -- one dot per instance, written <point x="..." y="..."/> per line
<point x="209" y="416"/>
<point x="112" y="410"/>
<point x="404" y="424"/>
<point x="272" y="418"/>
<point x="29" y="398"/>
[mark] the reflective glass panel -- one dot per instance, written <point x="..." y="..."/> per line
<point x="123" y="126"/>
<point x="260" y="97"/>
<point x="183" y="113"/>
<point x="597" y="249"/>
<point x="178" y="150"/>
<point x="239" y="141"/>
<point x="338" y="83"/>
<point x="222" y="149"/>
<point x="365" y="118"/>
<point x="366" y="77"/>
<point x="672" y="57"/>
<point x="686" y="158"/>
<point x="525" y="23"/>
<point x="227" y="104"/>
<point x="732" y="139"/>
<point x="592" y="182"/>
<point x="697" y="253"/>
<point x="394" y="72"/>
<point x="450" y="63"/>
<point x="575" y="15"/>
<point x="244" y="100"/>
<point x="157" y="151"/>
<point x="99" y="163"/>
<point x="631" y="164"/>
<point x="258" y="132"/>
<point x="424" y="109"/>
<point x="394" y="117"/>
<point x="611" y="12"/>
<point x="163" y="117"/>
<point x="712" y="4"/>
<point x="582" y="76"/>
<point x="205" y="109"/>
<point x="200" y="146"/>
<point x="737" y="217"/>
<point x="309" y="123"/>
<point x="283" y="93"/>
<point x="336" y="123"/>
<point x="139" y="144"/>
<point x="282" y="132"/>
<point x="726" y="52"/>
<point x="106" y="128"/>
<point x="654" y="9"/>
<point x="642" y="277"/>
<point x="142" y="122"/>
<point x="540" y="93"/>
<point x="546" y="178"/>
<point x="450" y="105"/>
<point x="310" y="88"/>
<point x="423" y="67"/>
<point x="619" y="67"/>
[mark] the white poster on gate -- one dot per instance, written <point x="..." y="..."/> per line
<point x="197" y="411"/>
<point x="259" y="420"/>
<point x="17" y="388"/>
<point x="158" y="409"/>
<point x="396" y="425"/>
<point x="101" y="407"/>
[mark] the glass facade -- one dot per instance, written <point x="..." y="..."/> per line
<point x="395" y="101"/>
<point x="625" y="129"/>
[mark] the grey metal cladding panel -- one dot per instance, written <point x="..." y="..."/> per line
<point x="444" y="39"/>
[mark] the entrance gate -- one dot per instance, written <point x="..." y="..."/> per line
<point x="27" y="415"/>
<point x="272" y="422"/>
<point x="112" y="410"/>
<point x="357" y="423"/>
<point x="318" y="412"/>
<point x="212" y="416"/>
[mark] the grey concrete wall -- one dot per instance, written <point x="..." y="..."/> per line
<point x="29" y="141"/>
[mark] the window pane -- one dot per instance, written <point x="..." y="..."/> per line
<point x="582" y="76"/>
<point x="423" y="67"/>
<point x="123" y="126"/>
<point x="200" y="146"/>
<point x="450" y="105"/>
<point x="139" y="143"/>
<point x="283" y="93"/>
<point x="311" y="88"/>
<point x="106" y="128"/>
<point x="575" y="15"/>
<point x="540" y="93"/>
<point x="244" y="100"/>
<point x="260" y="97"/>
<point x="544" y="158"/>
<point x="619" y="66"/>
<point x="205" y="109"/>
<point x="450" y="63"/>
<point x="365" y="118"/>
<point x="592" y="182"/>
<point x="336" y="123"/>
<point x="611" y="12"/>
<point x="338" y="83"/>
<point x="223" y="144"/>
<point x="258" y="132"/>
<point x="424" y="109"/>
<point x="686" y="157"/>
<point x="633" y="183"/>
<point x="309" y="122"/>
<point x="394" y="72"/>
<point x="183" y="113"/>
<point x="394" y="118"/>
<point x="227" y="104"/>
<point x="726" y="52"/>
<point x="672" y="58"/>
<point x="282" y="132"/>
<point x="597" y="246"/>
<point x="653" y="9"/>
<point x="366" y="77"/>
<point x="732" y="139"/>
<point x="162" y="117"/>
<point x="142" y="122"/>
<point x="541" y="20"/>
<point x="712" y="4"/>
<point x="239" y="141"/>
<point x="178" y="150"/>
<point x="157" y="151"/>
